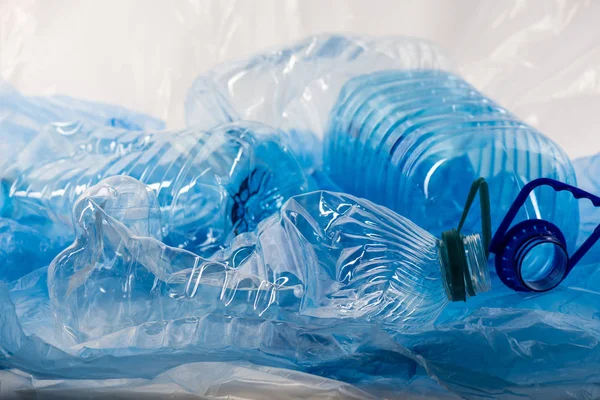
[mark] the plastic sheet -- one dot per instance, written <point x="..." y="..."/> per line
<point x="539" y="59"/>
<point x="31" y="343"/>
<point x="190" y="381"/>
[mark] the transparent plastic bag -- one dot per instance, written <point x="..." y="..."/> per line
<point x="209" y="380"/>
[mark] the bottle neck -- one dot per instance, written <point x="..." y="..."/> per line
<point x="464" y="266"/>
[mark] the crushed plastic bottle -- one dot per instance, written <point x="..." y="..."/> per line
<point x="414" y="139"/>
<point x="293" y="88"/>
<point x="210" y="185"/>
<point x="22" y="117"/>
<point x="324" y="257"/>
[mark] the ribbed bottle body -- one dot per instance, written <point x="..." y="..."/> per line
<point x="415" y="140"/>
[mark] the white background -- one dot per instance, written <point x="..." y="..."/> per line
<point x="539" y="58"/>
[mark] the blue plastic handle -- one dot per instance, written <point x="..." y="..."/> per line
<point x="510" y="273"/>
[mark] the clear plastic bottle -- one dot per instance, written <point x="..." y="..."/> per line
<point x="293" y="88"/>
<point x="210" y="185"/>
<point x="324" y="257"/>
<point x="414" y="140"/>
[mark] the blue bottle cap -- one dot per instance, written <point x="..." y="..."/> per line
<point x="532" y="255"/>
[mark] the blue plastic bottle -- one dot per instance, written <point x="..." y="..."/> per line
<point x="414" y="140"/>
<point x="210" y="185"/>
<point x="323" y="258"/>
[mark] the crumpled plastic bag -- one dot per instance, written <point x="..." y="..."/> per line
<point x="210" y="380"/>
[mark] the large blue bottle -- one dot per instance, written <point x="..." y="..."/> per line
<point x="414" y="140"/>
<point x="323" y="258"/>
<point x="210" y="185"/>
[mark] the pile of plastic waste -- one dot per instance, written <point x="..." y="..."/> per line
<point x="346" y="207"/>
